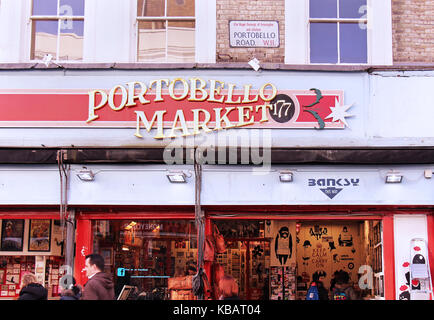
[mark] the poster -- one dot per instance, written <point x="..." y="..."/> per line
<point x="39" y="235"/>
<point x="12" y="235"/>
<point x="283" y="243"/>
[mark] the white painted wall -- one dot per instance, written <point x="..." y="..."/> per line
<point x="13" y="26"/>
<point x="402" y="105"/>
<point x="222" y="185"/>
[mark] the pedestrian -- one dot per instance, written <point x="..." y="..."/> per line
<point x="31" y="289"/>
<point x="99" y="285"/>
<point x="228" y="288"/>
<point x="191" y="270"/>
<point x="73" y="292"/>
<point x="321" y="290"/>
<point x="343" y="290"/>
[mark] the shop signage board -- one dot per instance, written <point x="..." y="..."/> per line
<point x="254" y="34"/>
<point x="177" y="107"/>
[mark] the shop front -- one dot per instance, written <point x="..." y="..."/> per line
<point x="295" y="170"/>
<point x="273" y="249"/>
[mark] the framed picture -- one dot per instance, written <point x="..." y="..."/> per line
<point x="107" y="254"/>
<point x="40" y="235"/>
<point x="12" y="235"/>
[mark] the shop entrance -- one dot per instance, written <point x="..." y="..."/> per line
<point x="279" y="259"/>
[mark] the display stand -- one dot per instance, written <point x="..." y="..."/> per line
<point x="283" y="283"/>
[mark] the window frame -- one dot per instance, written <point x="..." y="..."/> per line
<point x="338" y="22"/>
<point x="57" y="18"/>
<point x="379" y="33"/>
<point x="166" y="19"/>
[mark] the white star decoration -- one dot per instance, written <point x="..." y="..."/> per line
<point x="339" y="112"/>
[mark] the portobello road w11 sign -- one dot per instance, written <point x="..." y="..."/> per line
<point x="177" y="107"/>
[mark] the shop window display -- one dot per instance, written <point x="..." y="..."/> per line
<point x="147" y="254"/>
<point x="39" y="250"/>
<point x="278" y="259"/>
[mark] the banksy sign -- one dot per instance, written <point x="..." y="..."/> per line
<point x="254" y="34"/>
<point x="332" y="187"/>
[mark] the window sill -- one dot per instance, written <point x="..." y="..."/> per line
<point x="221" y="65"/>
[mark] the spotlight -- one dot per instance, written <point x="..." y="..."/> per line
<point x="285" y="176"/>
<point x="86" y="175"/>
<point x="393" y="177"/>
<point x="176" y="177"/>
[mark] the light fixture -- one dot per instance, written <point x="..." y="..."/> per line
<point x="125" y="248"/>
<point x="86" y="175"/>
<point x="285" y="176"/>
<point x="176" y="176"/>
<point x="428" y="174"/>
<point x="254" y="63"/>
<point x="393" y="177"/>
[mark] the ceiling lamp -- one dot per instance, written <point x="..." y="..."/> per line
<point x="176" y="176"/>
<point x="86" y="175"/>
<point x="393" y="177"/>
<point x="285" y="176"/>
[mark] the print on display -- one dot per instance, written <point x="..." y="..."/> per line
<point x="40" y="235"/>
<point x="307" y="244"/>
<point x="332" y="246"/>
<point x="283" y="245"/>
<point x="317" y="232"/>
<point x="346" y="241"/>
<point x="282" y="248"/>
<point x="12" y="235"/>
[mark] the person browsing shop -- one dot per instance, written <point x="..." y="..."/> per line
<point x="100" y="285"/>
<point x="31" y="289"/>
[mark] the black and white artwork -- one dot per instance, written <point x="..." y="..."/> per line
<point x="282" y="245"/>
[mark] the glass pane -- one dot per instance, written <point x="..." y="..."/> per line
<point x="323" y="43"/>
<point x="180" y="8"/>
<point x="180" y="41"/>
<point x="150" y="8"/>
<point x="323" y="8"/>
<point x="71" y="8"/>
<point x="146" y="253"/>
<point x="350" y="8"/>
<point x="353" y="43"/>
<point x="71" y="40"/>
<point x="152" y="41"/>
<point x="44" y="7"/>
<point x="44" y="39"/>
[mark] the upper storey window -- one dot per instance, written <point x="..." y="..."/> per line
<point x="166" y="30"/>
<point x="338" y="31"/>
<point x="57" y="29"/>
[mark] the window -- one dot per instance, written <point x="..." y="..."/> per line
<point x="57" y="29"/>
<point x="338" y="31"/>
<point x="147" y="253"/>
<point x="166" y="30"/>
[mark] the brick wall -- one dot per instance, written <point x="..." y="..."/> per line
<point x="249" y="10"/>
<point x="413" y="30"/>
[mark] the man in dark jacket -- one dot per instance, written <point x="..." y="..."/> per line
<point x="100" y="285"/>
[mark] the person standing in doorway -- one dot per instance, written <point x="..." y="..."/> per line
<point x="100" y="285"/>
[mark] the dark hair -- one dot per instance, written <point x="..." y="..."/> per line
<point x="342" y="277"/>
<point x="96" y="259"/>
<point x="192" y="268"/>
